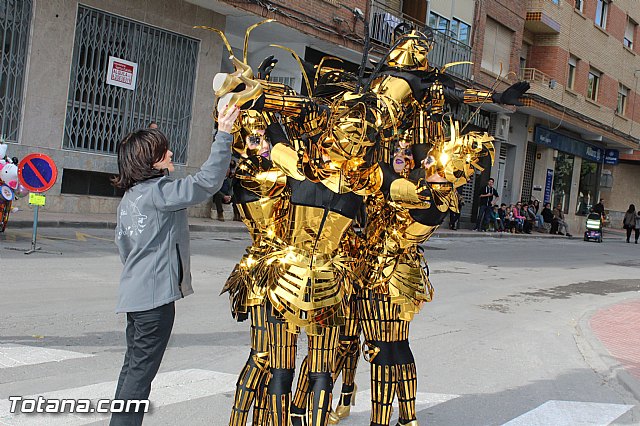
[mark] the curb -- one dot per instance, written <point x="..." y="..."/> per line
<point x="205" y="227"/>
<point x="47" y="223"/>
<point x="595" y="352"/>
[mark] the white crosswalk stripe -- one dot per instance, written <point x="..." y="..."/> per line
<point x="17" y="355"/>
<point x="168" y="388"/>
<point x="570" y="413"/>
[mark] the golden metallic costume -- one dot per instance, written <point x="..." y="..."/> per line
<point x="338" y="147"/>
<point x="262" y="199"/>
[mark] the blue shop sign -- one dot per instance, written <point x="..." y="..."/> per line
<point x="546" y="137"/>
<point x="611" y="156"/>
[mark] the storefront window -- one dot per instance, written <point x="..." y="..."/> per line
<point x="587" y="192"/>
<point x="562" y="180"/>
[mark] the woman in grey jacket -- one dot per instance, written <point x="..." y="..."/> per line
<point x="152" y="235"/>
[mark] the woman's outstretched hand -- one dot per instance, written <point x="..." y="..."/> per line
<point x="227" y="117"/>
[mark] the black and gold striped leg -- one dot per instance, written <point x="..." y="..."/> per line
<point x="387" y="348"/>
<point x="282" y="356"/>
<point x="253" y="375"/>
<point x="321" y="359"/>
<point x="349" y="352"/>
<point x="299" y="404"/>
<point x="383" y="390"/>
<point x="261" y="404"/>
<point x="407" y="388"/>
<point x="347" y="362"/>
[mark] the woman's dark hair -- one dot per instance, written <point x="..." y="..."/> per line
<point x="632" y="208"/>
<point x="137" y="153"/>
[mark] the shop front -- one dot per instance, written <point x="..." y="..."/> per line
<point x="567" y="173"/>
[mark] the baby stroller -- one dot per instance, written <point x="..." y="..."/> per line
<point x="594" y="228"/>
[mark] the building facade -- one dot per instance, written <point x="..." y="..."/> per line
<point x="580" y="56"/>
<point x="583" y="63"/>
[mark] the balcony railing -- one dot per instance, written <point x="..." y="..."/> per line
<point x="446" y="49"/>
<point x="535" y="75"/>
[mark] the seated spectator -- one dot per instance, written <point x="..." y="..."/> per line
<point x="495" y="223"/>
<point x="547" y="216"/>
<point x="519" y="218"/>
<point x="558" y="215"/>
<point x="529" y="218"/>
<point x="502" y="214"/>
<point x="510" y="220"/>
<point x="535" y="204"/>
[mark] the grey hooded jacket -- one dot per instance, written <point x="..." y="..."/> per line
<point x="152" y="232"/>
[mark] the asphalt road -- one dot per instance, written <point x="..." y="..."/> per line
<point x="505" y="341"/>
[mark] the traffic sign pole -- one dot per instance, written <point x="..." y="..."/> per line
<point x="38" y="173"/>
<point x="35" y="232"/>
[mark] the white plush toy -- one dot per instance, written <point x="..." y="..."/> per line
<point x="8" y="170"/>
<point x="9" y="174"/>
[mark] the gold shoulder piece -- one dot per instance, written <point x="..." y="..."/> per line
<point x="286" y="159"/>
<point x="404" y="193"/>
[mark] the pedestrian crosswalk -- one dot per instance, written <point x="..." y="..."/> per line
<point x="570" y="413"/>
<point x="168" y="388"/>
<point x="181" y="386"/>
<point x="19" y="355"/>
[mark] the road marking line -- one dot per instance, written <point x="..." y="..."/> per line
<point x="570" y="413"/>
<point x="18" y="355"/>
<point x="168" y="388"/>
<point x="81" y="236"/>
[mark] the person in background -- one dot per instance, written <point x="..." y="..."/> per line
<point x="224" y="195"/>
<point x="485" y="202"/>
<point x="631" y="221"/>
<point x="599" y="208"/>
<point x="454" y="218"/>
<point x="558" y="215"/>
<point x="519" y="217"/>
<point x="502" y="214"/>
<point x="153" y="125"/>
<point x="547" y="215"/>
<point x="152" y="236"/>
<point x="535" y="204"/>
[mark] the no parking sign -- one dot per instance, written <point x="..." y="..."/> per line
<point x="37" y="172"/>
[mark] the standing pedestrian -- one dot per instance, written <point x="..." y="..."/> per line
<point x="152" y="235"/>
<point x="487" y="198"/>
<point x="631" y="222"/>
<point x="454" y="217"/>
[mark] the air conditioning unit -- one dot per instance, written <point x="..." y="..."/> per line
<point x="502" y="126"/>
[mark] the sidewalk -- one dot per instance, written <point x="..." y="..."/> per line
<point x="24" y="219"/>
<point x="617" y="328"/>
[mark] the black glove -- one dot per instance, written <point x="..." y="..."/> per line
<point x="512" y="94"/>
<point x="275" y="134"/>
<point x="266" y="66"/>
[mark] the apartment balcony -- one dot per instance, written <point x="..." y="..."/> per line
<point x="543" y="16"/>
<point x="446" y="49"/>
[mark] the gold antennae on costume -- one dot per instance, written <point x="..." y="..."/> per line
<point x="220" y="33"/>
<point x="452" y="64"/>
<point x="324" y="58"/>
<point x="246" y="37"/>
<point x="492" y="90"/>
<point x="295" y="55"/>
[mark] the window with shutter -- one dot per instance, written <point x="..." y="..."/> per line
<point x="496" y="53"/>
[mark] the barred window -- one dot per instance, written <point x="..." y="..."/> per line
<point x="98" y="114"/>
<point x="15" y="24"/>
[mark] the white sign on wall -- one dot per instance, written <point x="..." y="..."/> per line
<point x="122" y="73"/>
